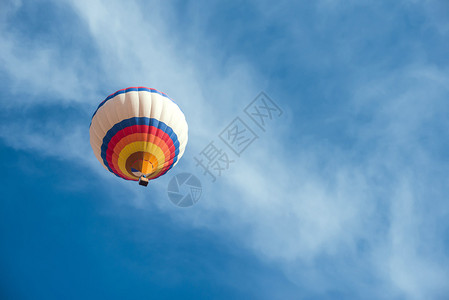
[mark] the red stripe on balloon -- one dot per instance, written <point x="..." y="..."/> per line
<point x="136" y="129"/>
<point x="139" y="129"/>
<point x="136" y="137"/>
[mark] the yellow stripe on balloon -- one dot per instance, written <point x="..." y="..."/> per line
<point x="135" y="137"/>
<point x="160" y="168"/>
<point x="142" y="136"/>
<point x="140" y="146"/>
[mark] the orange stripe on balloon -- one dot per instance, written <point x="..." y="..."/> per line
<point x="138" y="129"/>
<point x="135" y="137"/>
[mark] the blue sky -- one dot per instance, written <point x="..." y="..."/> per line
<point x="344" y="196"/>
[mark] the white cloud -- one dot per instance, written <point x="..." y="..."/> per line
<point x="291" y="206"/>
<point x="37" y="68"/>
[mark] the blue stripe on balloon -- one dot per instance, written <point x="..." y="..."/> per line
<point x="138" y="121"/>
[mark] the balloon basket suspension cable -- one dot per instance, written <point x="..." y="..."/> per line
<point x="143" y="180"/>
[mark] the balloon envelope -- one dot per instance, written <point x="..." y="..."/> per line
<point x="138" y="131"/>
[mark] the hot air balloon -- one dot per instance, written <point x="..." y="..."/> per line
<point x="138" y="134"/>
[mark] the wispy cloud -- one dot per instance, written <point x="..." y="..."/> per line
<point x="365" y="219"/>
